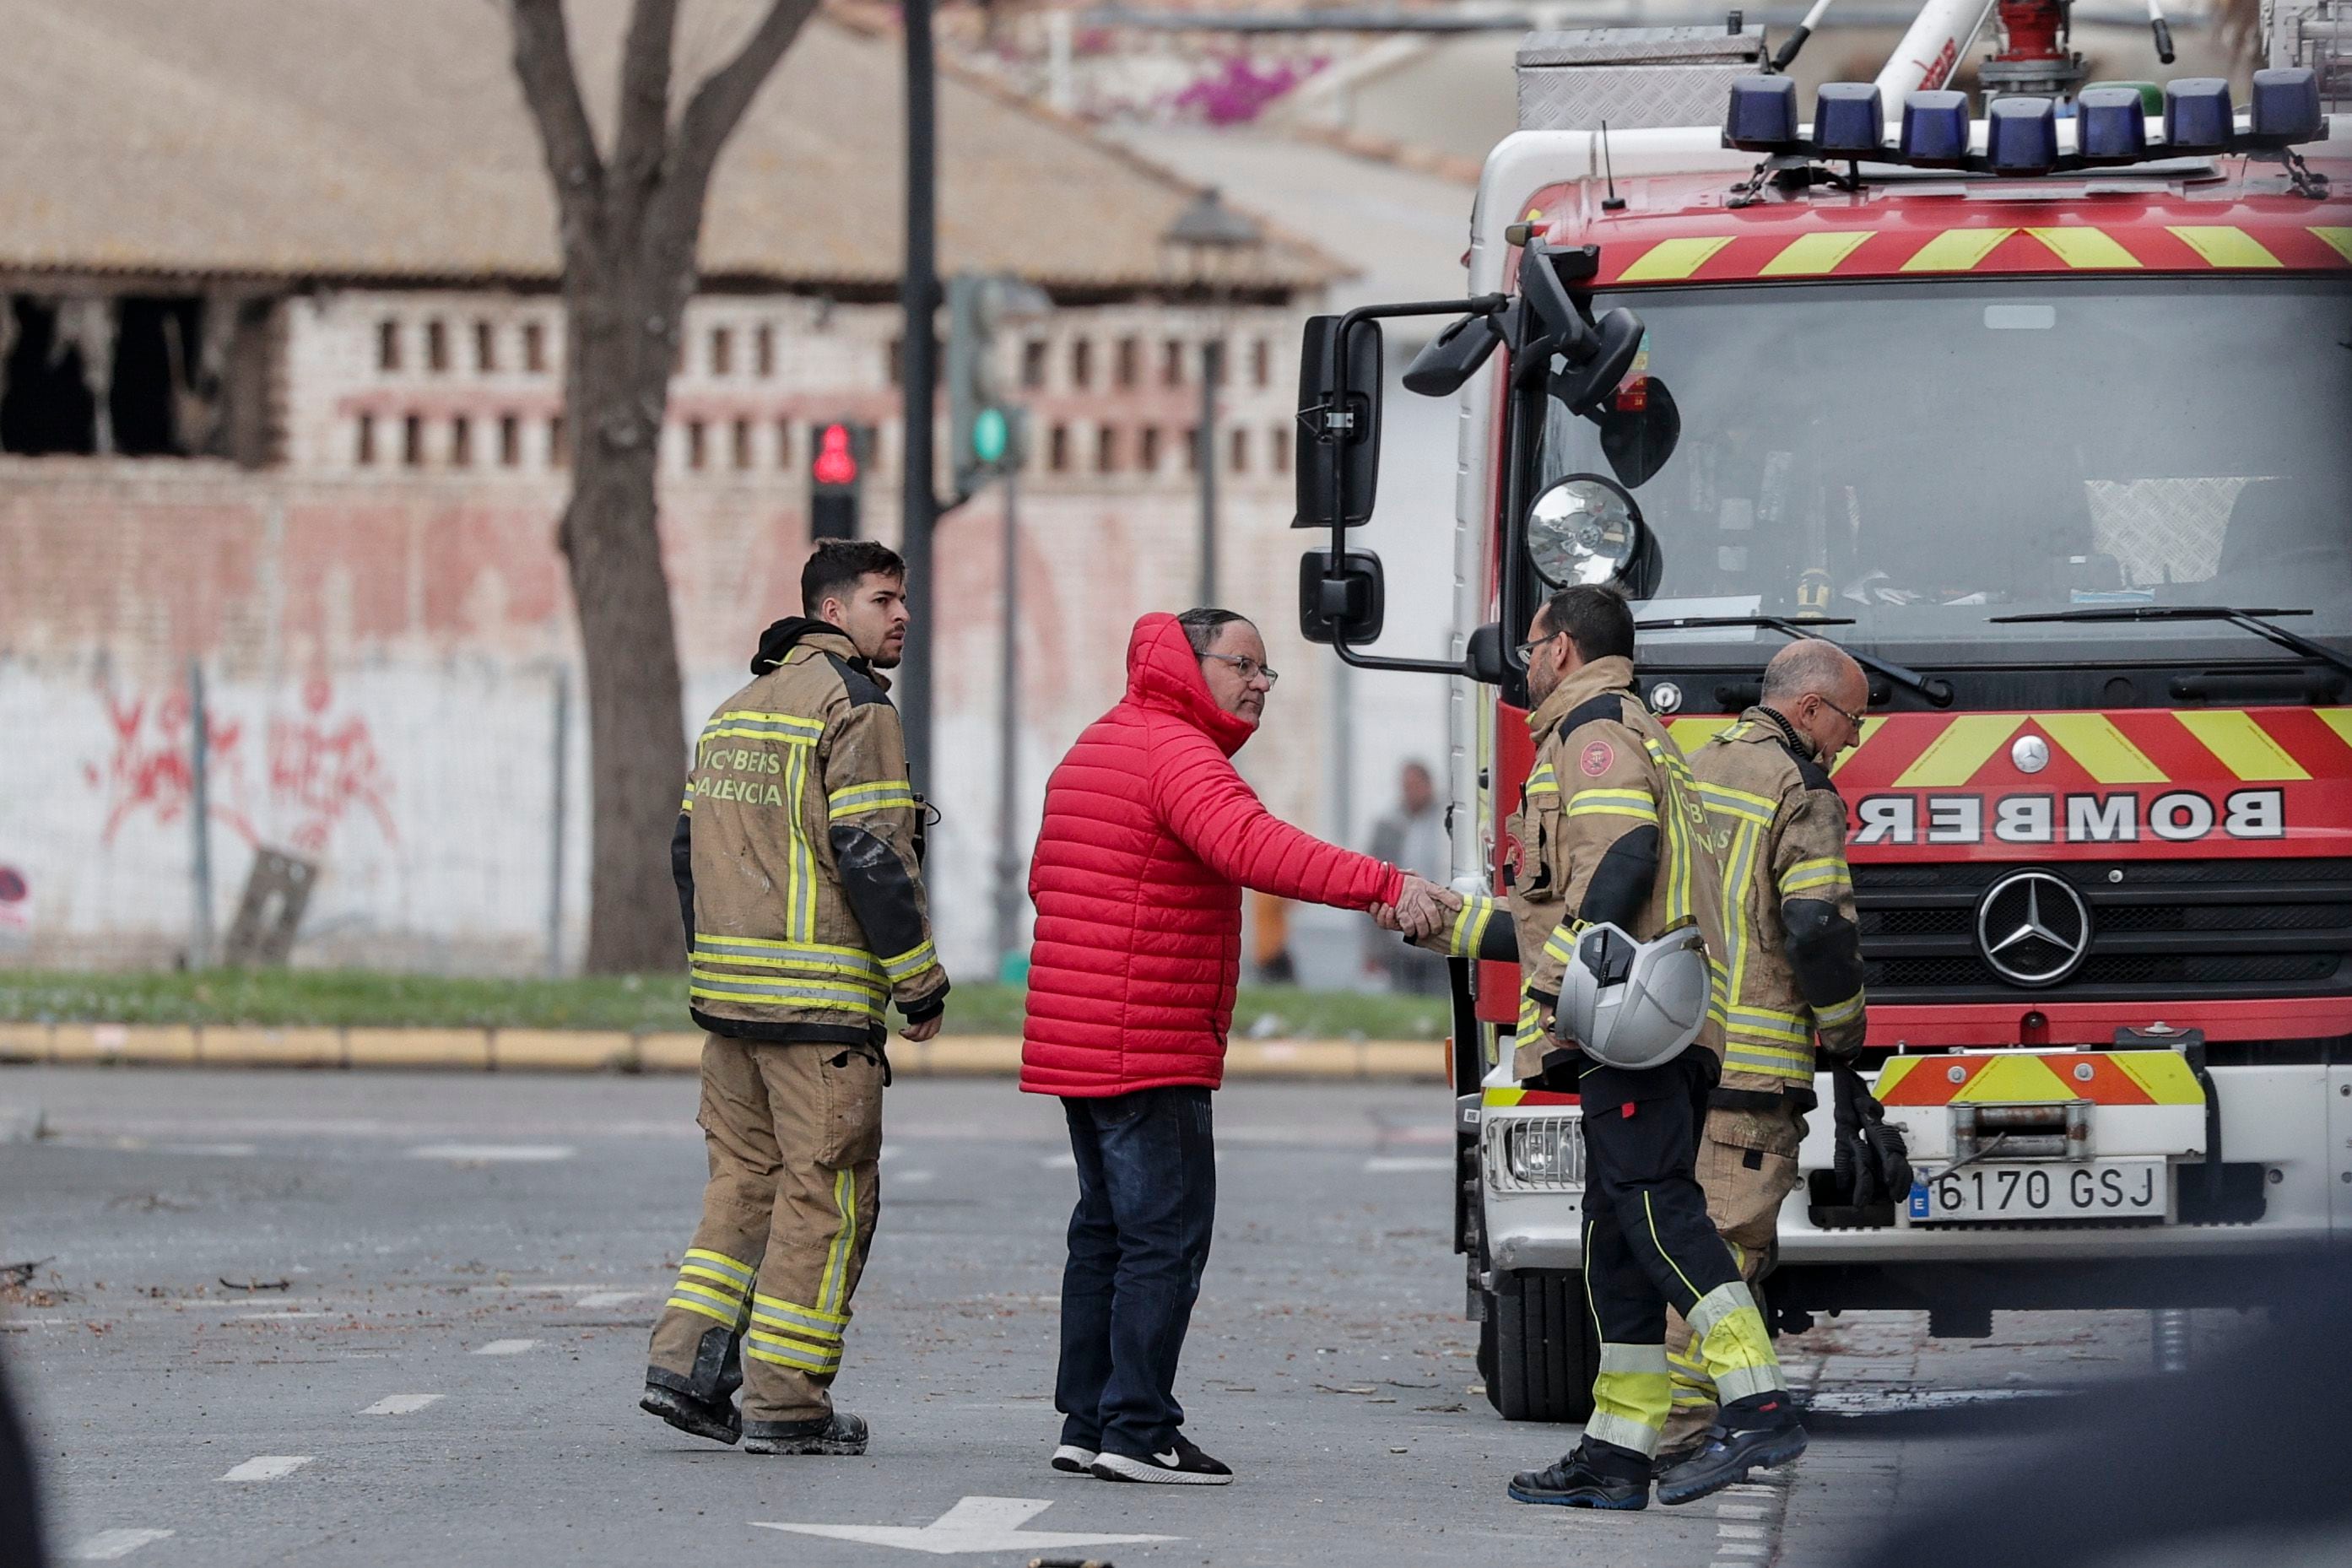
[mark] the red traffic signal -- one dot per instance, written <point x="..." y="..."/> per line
<point x="836" y="456"/>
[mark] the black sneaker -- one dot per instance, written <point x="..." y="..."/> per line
<point x="1073" y="1460"/>
<point x="1577" y="1482"/>
<point x="1180" y="1463"/>
<point x="1727" y="1455"/>
<point x="721" y="1423"/>
<point x="833" y="1433"/>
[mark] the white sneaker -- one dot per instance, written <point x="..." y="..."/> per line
<point x="1073" y="1460"/>
<point x="1181" y="1464"/>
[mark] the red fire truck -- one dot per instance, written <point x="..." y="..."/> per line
<point x="2044" y="412"/>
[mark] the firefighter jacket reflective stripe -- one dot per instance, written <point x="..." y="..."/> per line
<point x="1777" y="827"/>
<point x="798" y="872"/>
<point x="1609" y="829"/>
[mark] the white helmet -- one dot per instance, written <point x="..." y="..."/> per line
<point x="1635" y="1004"/>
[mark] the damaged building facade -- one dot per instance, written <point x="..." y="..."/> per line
<point x="308" y="451"/>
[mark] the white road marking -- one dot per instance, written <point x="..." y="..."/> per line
<point x="1741" y="1531"/>
<point x="1062" y="1162"/>
<point x="596" y="1299"/>
<point x="1382" y="1165"/>
<point x="109" y="1544"/>
<point x="1738" y="1511"/>
<point x="913" y="1178"/>
<point x="536" y="1152"/>
<point x="974" y="1524"/>
<point x="505" y="1347"/>
<point x="225" y="1151"/>
<point x="401" y="1403"/>
<point x="1746" y="1548"/>
<point x="267" y="1468"/>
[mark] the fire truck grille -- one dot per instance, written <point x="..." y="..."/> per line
<point x="2158" y="931"/>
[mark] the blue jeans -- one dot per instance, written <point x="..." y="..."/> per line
<point x="1139" y="1241"/>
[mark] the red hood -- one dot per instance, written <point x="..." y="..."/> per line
<point x="1163" y="672"/>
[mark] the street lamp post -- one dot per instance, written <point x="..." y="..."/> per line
<point x="1209" y="242"/>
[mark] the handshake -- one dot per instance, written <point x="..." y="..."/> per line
<point x="1422" y="909"/>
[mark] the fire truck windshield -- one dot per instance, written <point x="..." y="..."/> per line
<point x="1925" y="457"/>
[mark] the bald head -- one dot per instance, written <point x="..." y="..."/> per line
<point x="1818" y="688"/>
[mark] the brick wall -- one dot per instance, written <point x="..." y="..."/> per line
<point x="384" y="638"/>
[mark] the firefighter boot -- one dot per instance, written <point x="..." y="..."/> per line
<point x="718" y="1422"/>
<point x="834" y="1433"/>
<point x="1759" y="1433"/>
<point x="1590" y="1475"/>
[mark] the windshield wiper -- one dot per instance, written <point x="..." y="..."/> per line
<point x="2248" y="620"/>
<point x="1934" y="688"/>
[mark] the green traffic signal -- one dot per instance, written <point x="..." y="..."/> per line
<point x="990" y="436"/>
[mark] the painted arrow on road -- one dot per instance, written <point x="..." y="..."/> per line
<point x="974" y="1524"/>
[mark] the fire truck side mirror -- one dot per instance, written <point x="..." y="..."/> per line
<point x="1585" y="387"/>
<point x="1454" y="356"/>
<point x="1338" y="423"/>
<point x="1486" y="660"/>
<point x="1341" y="599"/>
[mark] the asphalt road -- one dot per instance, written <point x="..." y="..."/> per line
<point x="471" y="1263"/>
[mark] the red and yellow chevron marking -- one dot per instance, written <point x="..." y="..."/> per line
<point x="2131" y="746"/>
<point x="2114" y="1077"/>
<point x="1899" y="249"/>
<point x="1504" y="1098"/>
<point x="2118" y="747"/>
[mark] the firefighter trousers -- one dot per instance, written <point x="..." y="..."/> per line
<point x="1649" y="1247"/>
<point x="794" y="1136"/>
<point x="1746" y="1166"/>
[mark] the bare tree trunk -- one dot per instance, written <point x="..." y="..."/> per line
<point x="636" y="695"/>
<point x="629" y="229"/>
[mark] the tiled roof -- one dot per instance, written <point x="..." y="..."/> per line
<point x="387" y="139"/>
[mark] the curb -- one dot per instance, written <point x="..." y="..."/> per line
<point x="586" y="1050"/>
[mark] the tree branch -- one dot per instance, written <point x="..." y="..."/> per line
<point x="551" y="89"/>
<point x="643" y="138"/>
<point x="719" y="103"/>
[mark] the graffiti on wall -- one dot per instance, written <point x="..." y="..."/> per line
<point x="323" y="768"/>
<point x="320" y="768"/>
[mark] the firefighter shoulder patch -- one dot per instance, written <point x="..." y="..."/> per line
<point x="1597" y="758"/>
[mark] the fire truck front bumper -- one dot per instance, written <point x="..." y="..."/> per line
<point x="2110" y="1198"/>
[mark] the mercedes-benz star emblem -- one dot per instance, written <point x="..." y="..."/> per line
<point x="2031" y="753"/>
<point x="2033" y="928"/>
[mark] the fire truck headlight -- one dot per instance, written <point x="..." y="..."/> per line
<point x="1586" y="529"/>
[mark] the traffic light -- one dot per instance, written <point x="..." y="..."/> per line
<point x="836" y="470"/>
<point x="983" y="424"/>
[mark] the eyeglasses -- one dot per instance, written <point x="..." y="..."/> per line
<point x="1852" y="718"/>
<point x="1526" y="650"/>
<point x="1248" y="668"/>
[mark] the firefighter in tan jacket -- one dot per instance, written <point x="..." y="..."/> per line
<point x="1609" y="830"/>
<point x="799" y="869"/>
<point x="1777" y="827"/>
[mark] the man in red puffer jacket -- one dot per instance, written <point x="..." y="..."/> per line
<point x="1149" y="839"/>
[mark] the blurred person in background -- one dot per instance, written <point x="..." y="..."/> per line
<point x="1150" y="837"/>
<point x="799" y="864"/>
<point x="1269" y="926"/>
<point x="1412" y="837"/>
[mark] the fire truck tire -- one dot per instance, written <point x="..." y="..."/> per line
<point x="1544" y="1350"/>
<point x="1488" y="1378"/>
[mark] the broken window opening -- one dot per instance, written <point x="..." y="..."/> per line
<point x="134" y="375"/>
<point x="534" y="348"/>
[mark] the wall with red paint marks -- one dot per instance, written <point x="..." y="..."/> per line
<point x="385" y="639"/>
